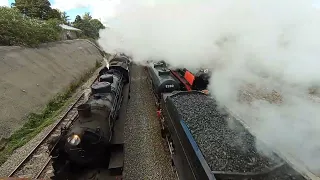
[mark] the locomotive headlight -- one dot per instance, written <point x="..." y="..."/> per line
<point x="74" y="140"/>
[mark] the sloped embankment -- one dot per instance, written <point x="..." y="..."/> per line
<point x="29" y="78"/>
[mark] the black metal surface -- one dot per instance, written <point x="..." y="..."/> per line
<point x="84" y="110"/>
<point x="118" y="130"/>
<point x="106" y="78"/>
<point x="101" y="88"/>
<point x="161" y="78"/>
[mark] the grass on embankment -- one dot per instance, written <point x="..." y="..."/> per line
<point x="36" y="122"/>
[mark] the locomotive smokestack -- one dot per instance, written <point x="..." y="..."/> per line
<point x="84" y="110"/>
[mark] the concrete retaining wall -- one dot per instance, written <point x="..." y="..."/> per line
<point x="29" y="78"/>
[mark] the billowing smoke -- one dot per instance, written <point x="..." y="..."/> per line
<point x="264" y="55"/>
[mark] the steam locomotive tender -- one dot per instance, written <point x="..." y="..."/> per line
<point x="95" y="137"/>
<point x="204" y="146"/>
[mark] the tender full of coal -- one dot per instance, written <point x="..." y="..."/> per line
<point x="226" y="147"/>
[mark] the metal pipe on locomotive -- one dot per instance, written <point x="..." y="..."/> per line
<point x="91" y="139"/>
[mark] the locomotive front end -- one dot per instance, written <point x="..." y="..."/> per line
<point x="87" y="142"/>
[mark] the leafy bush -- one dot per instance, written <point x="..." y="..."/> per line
<point x="18" y="30"/>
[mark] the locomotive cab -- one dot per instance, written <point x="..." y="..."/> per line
<point x="201" y="80"/>
<point x="197" y="79"/>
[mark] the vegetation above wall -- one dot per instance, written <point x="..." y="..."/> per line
<point x="32" y="22"/>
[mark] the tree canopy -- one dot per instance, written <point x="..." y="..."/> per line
<point x="26" y="31"/>
<point x="34" y="8"/>
<point x="40" y="9"/>
<point x="89" y="26"/>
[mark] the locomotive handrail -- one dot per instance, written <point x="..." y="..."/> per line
<point x="175" y="93"/>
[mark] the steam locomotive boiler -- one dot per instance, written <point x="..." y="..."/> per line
<point x="166" y="80"/>
<point x="95" y="137"/>
<point x="161" y="79"/>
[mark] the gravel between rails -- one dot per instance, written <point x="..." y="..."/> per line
<point x="145" y="153"/>
<point x="47" y="171"/>
<point x="224" y="148"/>
<point x="20" y="153"/>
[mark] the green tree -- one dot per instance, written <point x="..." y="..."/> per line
<point x="19" y="30"/>
<point x="34" y="8"/>
<point x="78" y="19"/>
<point x="87" y="16"/>
<point x="65" y="18"/>
<point x="90" y="27"/>
<point x="55" y="14"/>
<point x="97" y="24"/>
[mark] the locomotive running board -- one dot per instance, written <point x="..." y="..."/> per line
<point x="116" y="161"/>
<point x="118" y="130"/>
<point x="117" y="142"/>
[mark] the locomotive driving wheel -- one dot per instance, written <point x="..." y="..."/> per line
<point x="61" y="167"/>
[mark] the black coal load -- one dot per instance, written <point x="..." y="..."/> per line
<point x="224" y="148"/>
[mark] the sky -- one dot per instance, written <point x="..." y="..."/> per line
<point x="99" y="9"/>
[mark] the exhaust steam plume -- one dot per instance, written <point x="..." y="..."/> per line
<point x="264" y="55"/>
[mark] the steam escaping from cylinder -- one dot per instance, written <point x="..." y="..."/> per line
<point x="106" y="62"/>
<point x="264" y="55"/>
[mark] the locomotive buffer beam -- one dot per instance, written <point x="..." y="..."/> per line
<point x="117" y="142"/>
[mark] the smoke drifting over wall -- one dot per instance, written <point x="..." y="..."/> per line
<point x="265" y="57"/>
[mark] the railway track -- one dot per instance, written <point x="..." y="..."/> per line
<point x="38" y="160"/>
<point x="46" y="172"/>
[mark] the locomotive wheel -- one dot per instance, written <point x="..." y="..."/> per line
<point x="60" y="168"/>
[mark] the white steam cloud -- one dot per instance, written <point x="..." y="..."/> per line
<point x="250" y="44"/>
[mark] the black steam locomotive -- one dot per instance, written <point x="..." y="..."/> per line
<point x="165" y="80"/>
<point x="95" y="137"/>
<point x="201" y="143"/>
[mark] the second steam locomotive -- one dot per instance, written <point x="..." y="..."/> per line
<point x="95" y="138"/>
<point x="197" y="130"/>
<point x="164" y="79"/>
